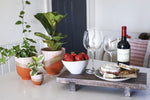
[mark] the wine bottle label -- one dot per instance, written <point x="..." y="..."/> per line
<point x="123" y="55"/>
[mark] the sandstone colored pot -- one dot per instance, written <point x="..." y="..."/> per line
<point x="37" y="79"/>
<point x="53" y="60"/>
<point x="22" y="67"/>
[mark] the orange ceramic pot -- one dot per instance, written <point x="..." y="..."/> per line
<point x="22" y="68"/>
<point x="37" y="79"/>
<point x="53" y="60"/>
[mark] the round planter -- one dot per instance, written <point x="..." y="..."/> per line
<point x="22" y="67"/>
<point x="37" y="79"/>
<point x="53" y="60"/>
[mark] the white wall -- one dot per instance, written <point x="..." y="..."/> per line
<point x="9" y="11"/>
<point x="112" y="14"/>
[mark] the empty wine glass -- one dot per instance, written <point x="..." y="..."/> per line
<point x="92" y="40"/>
<point x="110" y="45"/>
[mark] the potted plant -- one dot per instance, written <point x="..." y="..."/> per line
<point x="53" y="54"/>
<point x="23" y="53"/>
<point x="36" y="75"/>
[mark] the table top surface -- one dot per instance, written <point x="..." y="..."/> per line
<point x="12" y="87"/>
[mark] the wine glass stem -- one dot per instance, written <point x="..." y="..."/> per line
<point x="92" y="55"/>
<point x="110" y="56"/>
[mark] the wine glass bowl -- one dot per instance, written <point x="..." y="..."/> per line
<point x="110" y="45"/>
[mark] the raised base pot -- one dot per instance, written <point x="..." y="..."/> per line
<point x="22" y="68"/>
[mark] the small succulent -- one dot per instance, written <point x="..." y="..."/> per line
<point x="36" y="64"/>
<point x="50" y="21"/>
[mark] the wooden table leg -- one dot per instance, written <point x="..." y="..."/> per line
<point x="72" y="86"/>
<point x="127" y="91"/>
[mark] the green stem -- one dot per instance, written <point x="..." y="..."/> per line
<point x="23" y="9"/>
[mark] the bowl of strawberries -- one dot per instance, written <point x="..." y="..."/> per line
<point x="75" y="63"/>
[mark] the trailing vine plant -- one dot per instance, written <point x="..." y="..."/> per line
<point x="24" y="50"/>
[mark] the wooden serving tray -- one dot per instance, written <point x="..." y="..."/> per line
<point x="92" y="80"/>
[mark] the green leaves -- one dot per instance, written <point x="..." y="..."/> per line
<point x="26" y="50"/>
<point x="36" y="64"/>
<point x="4" y="53"/>
<point x="49" y="21"/>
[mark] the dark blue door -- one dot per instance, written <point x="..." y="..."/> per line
<point x="74" y="24"/>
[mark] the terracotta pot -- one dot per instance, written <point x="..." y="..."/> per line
<point x="53" y="60"/>
<point x="22" y="68"/>
<point x="37" y="79"/>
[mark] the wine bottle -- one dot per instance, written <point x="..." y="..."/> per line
<point x="123" y="49"/>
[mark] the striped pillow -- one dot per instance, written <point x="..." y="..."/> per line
<point x="138" y="51"/>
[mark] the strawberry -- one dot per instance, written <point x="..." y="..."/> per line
<point x="86" y="57"/>
<point x="73" y="54"/>
<point x="68" y="57"/>
<point x="82" y="53"/>
<point x="65" y="55"/>
<point x="79" y="57"/>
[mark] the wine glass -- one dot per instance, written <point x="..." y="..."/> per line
<point x="110" y="45"/>
<point x="92" y="40"/>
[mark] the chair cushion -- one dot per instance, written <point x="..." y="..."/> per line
<point x="138" y="52"/>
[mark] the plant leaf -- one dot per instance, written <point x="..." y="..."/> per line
<point x="11" y="52"/>
<point x="49" y="43"/>
<point x="57" y="38"/>
<point x="27" y="2"/>
<point x="5" y="51"/>
<point x="40" y="66"/>
<point x="42" y="35"/>
<point x="57" y="46"/>
<point x="31" y="65"/>
<point x="22" y="12"/>
<point x="31" y="40"/>
<point x="33" y="72"/>
<point x="44" y="22"/>
<point x="18" y="22"/>
<point x="40" y="59"/>
<point x="21" y="16"/>
<point x="17" y="48"/>
<point x="33" y="49"/>
<point x="28" y="26"/>
<point x="24" y="31"/>
<point x="2" y="59"/>
<point x="23" y="53"/>
<point x="34" y="58"/>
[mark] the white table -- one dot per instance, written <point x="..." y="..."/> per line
<point x="12" y="87"/>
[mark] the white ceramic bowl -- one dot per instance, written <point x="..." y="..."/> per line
<point x="75" y="67"/>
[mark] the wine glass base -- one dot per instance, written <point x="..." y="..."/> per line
<point x="89" y="71"/>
